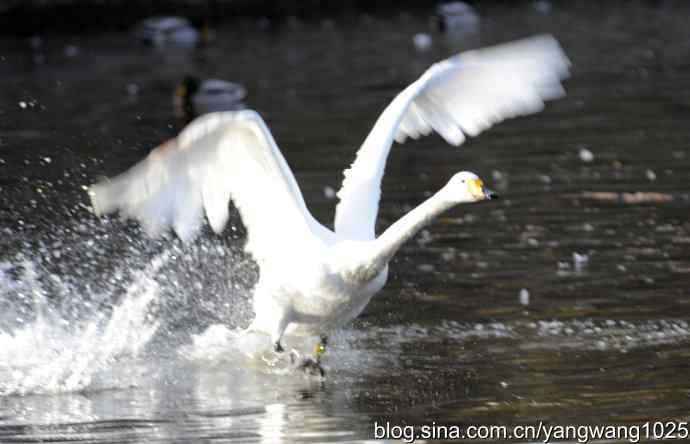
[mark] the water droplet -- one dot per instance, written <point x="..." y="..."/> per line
<point x="422" y="41"/>
<point x="329" y="192"/>
<point x="585" y="155"/>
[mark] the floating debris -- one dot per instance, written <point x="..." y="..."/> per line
<point x="638" y="197"/>
<point x="612" y="334"/>
<point x="524" y="297"/>
<point x="650" y="175"/>
<point x="580" y="261"/>
<point x="585" y="154"/>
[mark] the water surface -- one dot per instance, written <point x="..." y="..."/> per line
<point x="488" y="316"/>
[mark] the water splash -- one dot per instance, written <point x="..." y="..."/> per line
<point x="219" y="345"/>
<point x="609" y="334"/>
<point x="52" y="353"/>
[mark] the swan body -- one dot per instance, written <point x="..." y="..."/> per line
<point x="316" y="296"/>
<point x="314" y="279"/>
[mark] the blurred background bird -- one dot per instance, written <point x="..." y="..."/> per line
<point x="172" y="31"/>
<point x="194" y="97"/>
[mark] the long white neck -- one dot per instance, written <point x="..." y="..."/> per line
<point x="390" y="241"/>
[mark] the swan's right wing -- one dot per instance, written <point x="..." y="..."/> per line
<point x="217" y="157"/>
<point x="460" y="96"/>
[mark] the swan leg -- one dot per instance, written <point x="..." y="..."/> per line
<point x="313" y="365"/>
<point x="277" y="334"/>
<point x="320" y="348"/>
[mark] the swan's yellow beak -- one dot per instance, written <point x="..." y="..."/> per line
<point x="476" y="187"/>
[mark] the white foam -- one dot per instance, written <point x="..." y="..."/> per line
<point x="52" y="353"/>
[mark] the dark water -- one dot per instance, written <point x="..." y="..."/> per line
<point x="103" y="332"/>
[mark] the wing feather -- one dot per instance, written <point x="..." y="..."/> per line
<point x="458" y="97"/>
<point x="218" y="157"/>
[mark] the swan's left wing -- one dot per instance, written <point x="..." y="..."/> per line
<point x="460" y="96"/>
<point x="217" y="157"/>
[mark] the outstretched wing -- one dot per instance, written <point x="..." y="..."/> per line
<point x="460" y="96"/>
<point x="217" y="157"/>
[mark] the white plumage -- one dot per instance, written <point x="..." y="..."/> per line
<point x="460" y="96"/>
<point x="312" y="279"/>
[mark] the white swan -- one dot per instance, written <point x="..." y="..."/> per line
<point x="313" y="279"/>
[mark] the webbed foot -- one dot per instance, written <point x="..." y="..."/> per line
<point x="311" y="366"/>
<point x="278" y="348"/>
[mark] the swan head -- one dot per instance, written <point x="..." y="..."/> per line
<point x="467" y="187"/>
